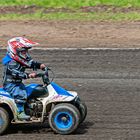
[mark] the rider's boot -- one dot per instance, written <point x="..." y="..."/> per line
<point x="22" y="116"/>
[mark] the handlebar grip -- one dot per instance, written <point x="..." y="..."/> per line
<point x="46" y="69"/>
<point x="39" y="74"/>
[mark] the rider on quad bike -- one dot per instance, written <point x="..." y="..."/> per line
<point x="15" y="62"/>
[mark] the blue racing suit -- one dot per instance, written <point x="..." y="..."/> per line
<point x="14" y="72"/>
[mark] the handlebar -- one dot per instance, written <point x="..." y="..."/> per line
<point x="45" y="76"/>
<point x="43" y="73"/>
<point x="39" y="74"/>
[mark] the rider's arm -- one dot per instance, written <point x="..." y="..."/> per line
<point x="14" y="69"/>
<point x="35" y="65"/>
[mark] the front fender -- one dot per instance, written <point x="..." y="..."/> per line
<point x="59" y="94"/>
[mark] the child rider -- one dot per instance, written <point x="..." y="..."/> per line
<point x="15" y="62"/>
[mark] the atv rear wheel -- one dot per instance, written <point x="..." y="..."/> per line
<point x="4" y="120"/>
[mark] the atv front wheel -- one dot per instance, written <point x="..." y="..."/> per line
<point x="83" y="111"/>
<point x="64" y="118"/>
<point x="82" y="108"/>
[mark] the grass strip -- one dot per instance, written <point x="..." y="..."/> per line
<point x="71" y="3"/>
<point x="105" y="16"/>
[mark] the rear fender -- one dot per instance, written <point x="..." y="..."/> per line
<point x="10" y="103"/>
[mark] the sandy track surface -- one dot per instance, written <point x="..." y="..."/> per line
<point x="71" y="34"/>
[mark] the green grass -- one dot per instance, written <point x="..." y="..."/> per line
<point x="71" y="3"/>
<point x="132" y="16"/>
<point x="74" y="4"/>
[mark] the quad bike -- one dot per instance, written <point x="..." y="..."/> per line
<point x="63" y="109"/>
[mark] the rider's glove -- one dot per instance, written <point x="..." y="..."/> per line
<point x="32" y="75"/>
<point x="42" y="66"/>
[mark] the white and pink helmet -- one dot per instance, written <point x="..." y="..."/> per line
<point x="16" y="46"/>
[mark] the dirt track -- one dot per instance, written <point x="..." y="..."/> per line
<point x="108" y="81"/>
<point x="69" y="34"/>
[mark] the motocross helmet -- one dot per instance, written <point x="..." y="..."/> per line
<point x="18" y="50"/>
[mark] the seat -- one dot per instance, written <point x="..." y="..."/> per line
<point x="36" y="91"/>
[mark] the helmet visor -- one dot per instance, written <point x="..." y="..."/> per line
<point x="24" y="54"/>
